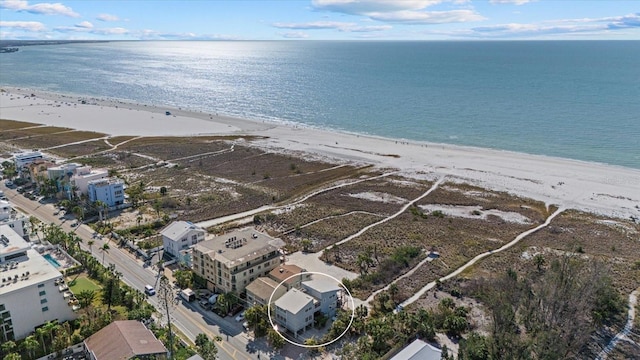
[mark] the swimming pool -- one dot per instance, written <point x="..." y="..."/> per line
<point x="53" y="261"/>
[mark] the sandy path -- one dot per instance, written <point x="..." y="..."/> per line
<point x="459" y="270"/>
<point x="631" y="315"/>
<point x="402" y="210"/>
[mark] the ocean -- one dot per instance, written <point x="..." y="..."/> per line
<point x="570" y="99"/>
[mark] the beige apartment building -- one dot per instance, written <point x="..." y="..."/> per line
<point x="231" y="261"/>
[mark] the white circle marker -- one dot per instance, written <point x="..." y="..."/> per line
<point x="353" y="310"/>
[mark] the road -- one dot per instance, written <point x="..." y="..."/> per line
<point x="188" y="318"/>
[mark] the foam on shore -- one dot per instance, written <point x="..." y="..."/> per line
<point x="600" y="188"/>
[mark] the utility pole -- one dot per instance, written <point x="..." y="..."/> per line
<point x="167" y="301"/>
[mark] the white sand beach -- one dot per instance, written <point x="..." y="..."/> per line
<point x="593" y="187"/>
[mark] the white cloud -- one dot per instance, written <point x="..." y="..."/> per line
<point x="91" y="30"/>
<point x="85" y="25"/>
<point x="41" y="8"/>
<point x="337" y="25"/>
<point x="294" y="35"/>
<point x="428" y="17"/>
<point x="553" y="28"/>
<point x="515" y="2"/>
<point x="23" y="25"/>
<point x="107" y="17"/>
<point x="110" y="31"/>
<point x="361" y="7"/>
<point x="407" y="11"/>
<point x="314" y="25"/>
<point x="149" y="34"/>
<point x="372" y="28"/>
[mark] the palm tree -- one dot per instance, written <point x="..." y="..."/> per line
<point x="85" y="297"/>
<point x="74" y="240"/>
<point x="90" y="243"/>
<point x="105" y="249"/>
<point x="50" y="328"/>
<point x="31" y="344"/>
<point x="99" y="205"/>
<point x="33" y="221"/>
<point x="8" y="346"/>
<point x="41" y="331"/>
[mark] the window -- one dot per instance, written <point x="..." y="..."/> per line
<point x="2" y="307"/>
<point x="250" y="271"/>
<point x="194" y="237"/>
<point x="43" y="301"/>
<point x="40" y="285"/>
<point x="46" y="308"/>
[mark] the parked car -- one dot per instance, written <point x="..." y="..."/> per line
<point x="74" y="224"/>
<point x="236" y="309"/>
<point x="56" y="212"/>
<point x="240" y="317"/>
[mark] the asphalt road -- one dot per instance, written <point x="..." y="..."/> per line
<point x="189" y="318"/>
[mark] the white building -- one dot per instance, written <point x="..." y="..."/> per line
<point x="29" y="294"/>
<point x="10" y="217"/>
<point x="85" y="174"/>
<point x="26" y="158"/>
<point x="109" y="190"/>
<point x="325" y="291"/>
<point x="294" y="311"/>
<point x="179" y="237"/>
<point x="61" y="171"/>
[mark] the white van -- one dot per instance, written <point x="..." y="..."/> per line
<point x="149" y="290"/>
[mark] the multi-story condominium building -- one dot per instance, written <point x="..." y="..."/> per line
<point x="179" y="237"/>
<point x="10" y="217"/>
<point x="325" y="291"/>
<point x="26" y="158"/>
<point x="286" y="273"/>
<point x="109" y="190"/>
<point x="230" y="262"/>
<point x="30" y="294"/>
<point x="85" y="174"/>
<point x="260" y="290"/>
<point x="294" y="311"/>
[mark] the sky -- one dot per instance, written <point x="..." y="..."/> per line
<point x="320" y="20"/>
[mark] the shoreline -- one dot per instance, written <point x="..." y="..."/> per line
<point x="610" y="190"/>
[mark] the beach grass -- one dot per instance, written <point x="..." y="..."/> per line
<point x="82" y="149"/>
<point x="47" y="140"/>
<point x="6" y="125"/>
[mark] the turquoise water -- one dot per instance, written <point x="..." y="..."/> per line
<point x="51" y="260"/>
<point x="571" y="99"/>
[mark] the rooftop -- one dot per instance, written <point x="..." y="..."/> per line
<point x="418" y="350"/>
<point x="92" y="172"/>
<point x="26" y="269"/>
<point x="26" y="154"/>
<point x="262" y="287"/>
<point x="240" y="246"/>
<point x="294" y="301"/>
<point x="284" y="271"/>
<point x="106" y="181"/>
<point x="177" y="229"/>
<point x="124" y="340"/>
<point x="322" y="284"/>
